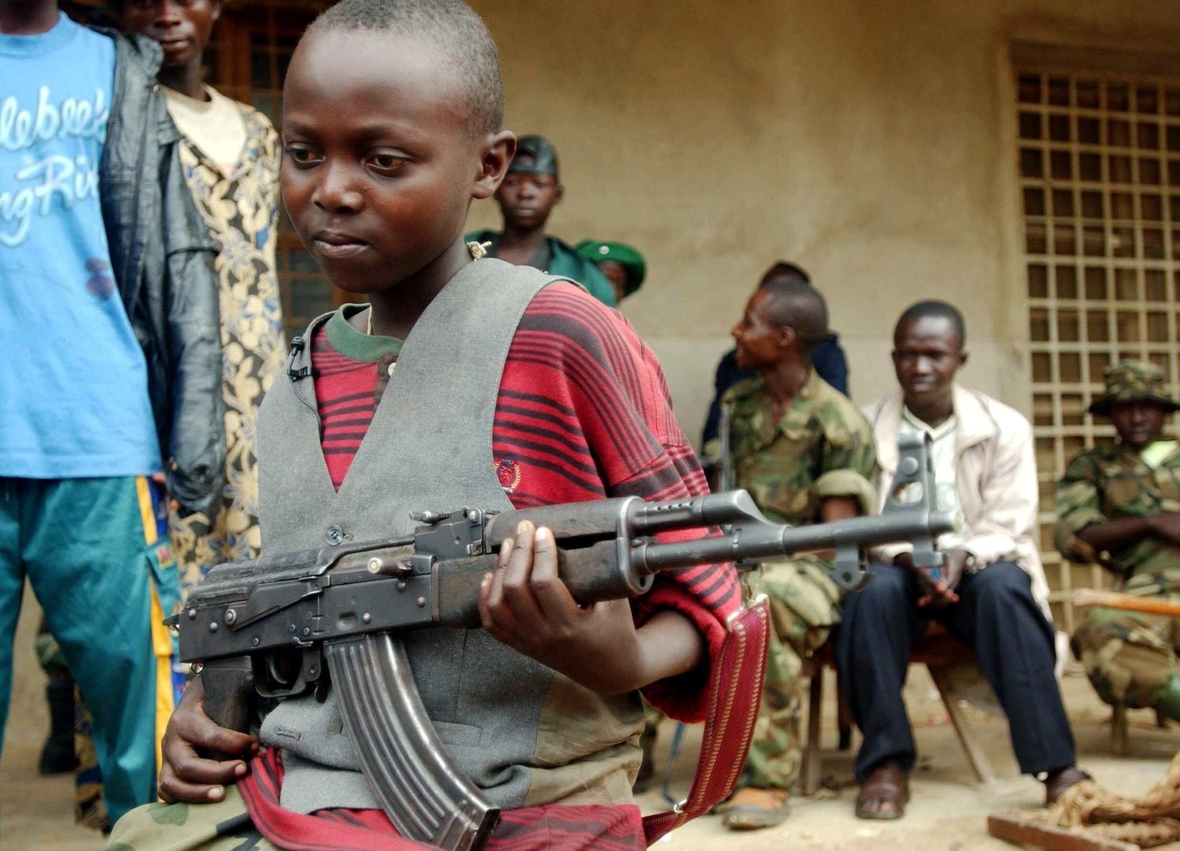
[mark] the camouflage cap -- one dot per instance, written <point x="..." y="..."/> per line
<point x="1133" y="381"/>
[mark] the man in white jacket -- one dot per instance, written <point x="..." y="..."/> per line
<point x="990" y="593"/>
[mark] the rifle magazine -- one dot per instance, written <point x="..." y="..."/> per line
<point x="425" y="795"/>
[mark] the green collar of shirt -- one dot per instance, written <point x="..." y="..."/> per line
<point x="357" y="345"/>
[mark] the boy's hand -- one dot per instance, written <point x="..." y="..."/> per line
<point x="185" y="776"/>
<point x="526" y="605"/>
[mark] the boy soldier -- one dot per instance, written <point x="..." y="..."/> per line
<point x="527" y="196"/>
<point x="108" y="335"/>
<point x="622" y="265"/>
<point x="805" y="454"/>
<point x="827" y="357"/>
<point x="476" y="383"/>
<point x="1119" y="506"/>
<point x="991" y="592"/>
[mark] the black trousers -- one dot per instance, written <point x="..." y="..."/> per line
<point x="997" y="617"/>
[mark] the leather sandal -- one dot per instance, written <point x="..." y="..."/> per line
<point x="753" y="809"/>
<point x="1059" y="782"/>
<point x="884" y="793"/>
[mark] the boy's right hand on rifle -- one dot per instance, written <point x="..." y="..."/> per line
<point x="185" y="775"/>
<point x="525" y="604"/>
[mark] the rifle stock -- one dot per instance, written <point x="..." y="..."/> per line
<point x="276" y="626"/>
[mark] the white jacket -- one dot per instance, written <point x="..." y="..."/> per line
<point x="996" y="479"/>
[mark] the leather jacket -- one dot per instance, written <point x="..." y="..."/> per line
<point x="162" y="255"/>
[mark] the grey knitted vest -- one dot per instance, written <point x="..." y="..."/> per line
<point x="429" y="447"/>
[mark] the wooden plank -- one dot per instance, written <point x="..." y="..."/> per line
<point x="1014" y="827"/>
<point x="980" y="764"/>
<point x="1084" y="597"/>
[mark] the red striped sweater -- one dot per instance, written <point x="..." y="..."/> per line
<point x="583" y="413"/>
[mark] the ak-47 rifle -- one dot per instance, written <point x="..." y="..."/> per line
<point x="276" y="625"/>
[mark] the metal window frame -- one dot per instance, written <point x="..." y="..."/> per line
<point x="1066" y="325"/>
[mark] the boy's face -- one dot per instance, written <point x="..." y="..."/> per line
<point x="759" y="340"/>
<point x="379" y="164"/>
<point x="182" y="27"/>
<point x="526" y="200"/>
<point x="616" y="273"/>
<point x="1139" y="424"/>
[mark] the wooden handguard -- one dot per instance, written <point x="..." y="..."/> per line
<point x="735" y="693"/>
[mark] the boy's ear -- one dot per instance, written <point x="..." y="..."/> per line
<point x="215" y="12"/>
<point x="558" y="194"/>
<point x="495" y="156"/>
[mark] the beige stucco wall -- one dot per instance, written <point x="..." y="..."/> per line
<point x="868" y="141"/>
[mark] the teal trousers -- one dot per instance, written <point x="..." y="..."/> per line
<point x="84" y="546"/>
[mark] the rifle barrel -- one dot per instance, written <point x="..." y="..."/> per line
<point x="766" y="541"/>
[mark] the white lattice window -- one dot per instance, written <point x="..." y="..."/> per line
<point x="1100" y="173"/>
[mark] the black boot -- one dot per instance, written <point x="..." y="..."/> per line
<point x="57" y="757"/>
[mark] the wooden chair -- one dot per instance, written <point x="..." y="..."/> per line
<point x="938" y="651"/>
<point x="1118" y="729"/>
<point x="1086" y="597"/>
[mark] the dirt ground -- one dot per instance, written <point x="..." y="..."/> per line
<point x="948" y="810"/>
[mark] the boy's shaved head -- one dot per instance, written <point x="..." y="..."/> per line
<point x="798" y="305"/>
<point x="451" y="26"/>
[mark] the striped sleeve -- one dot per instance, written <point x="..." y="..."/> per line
<point x="584" y="413"/>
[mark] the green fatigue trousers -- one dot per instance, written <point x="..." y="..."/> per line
<point x="1131" y="658"/>
<point x="804" y="606"/>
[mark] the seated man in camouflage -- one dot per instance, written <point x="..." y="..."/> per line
<point x="1119" y="506"/>
<point x="805" y="454"/>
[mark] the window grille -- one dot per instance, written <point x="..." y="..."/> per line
<point x="1099" y="165"/>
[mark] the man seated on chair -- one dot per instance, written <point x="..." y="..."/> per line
<point x="1119" y="506"/>
<point x="990" y="593"/>
<point x="805" y="454"/>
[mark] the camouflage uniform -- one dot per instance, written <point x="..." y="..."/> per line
<point x="1130" y="658"/>
<point x="822" y="447"/>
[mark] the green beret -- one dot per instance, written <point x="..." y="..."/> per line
<point x="631" y="260"/>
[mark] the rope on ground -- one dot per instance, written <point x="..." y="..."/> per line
<point x="1147" y="822"/>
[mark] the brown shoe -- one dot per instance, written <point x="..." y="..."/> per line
<point x="884" y="793"/>
<point x="1057" y="783"/>
<point x="753" y="809"/>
